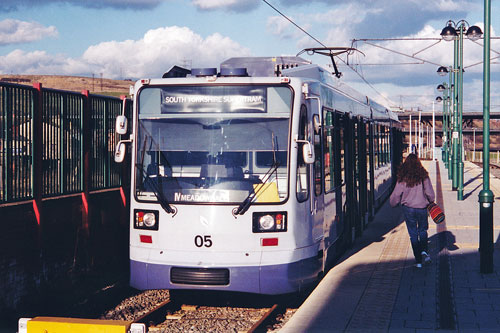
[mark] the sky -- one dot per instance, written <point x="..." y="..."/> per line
<point x="132" y="39"/>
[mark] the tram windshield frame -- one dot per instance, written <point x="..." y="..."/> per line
<point x="213" y="144"/>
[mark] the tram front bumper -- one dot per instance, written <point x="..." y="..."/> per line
<point x="264" y="279"/>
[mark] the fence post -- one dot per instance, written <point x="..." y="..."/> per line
<point x="86" y="137"/>
<point x="38" y="158"/>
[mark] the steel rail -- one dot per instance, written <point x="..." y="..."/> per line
<point x="260" y="325"/>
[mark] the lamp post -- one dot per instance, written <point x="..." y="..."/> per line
<point x="444" y="152"/>
<point x="450" y="111"/>
<point x="474" y="151"/>
<point x="486" y="195"/>
<point x="443" y="88"/>
<point x="455" y="31"/>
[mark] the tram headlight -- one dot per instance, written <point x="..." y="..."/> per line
<point x="266" y="222"/>
<point x="269" y="222"/>
<point x="149" y="220"/>
<point x="146" y="219"/>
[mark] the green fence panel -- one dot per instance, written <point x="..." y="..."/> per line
<point x="105" y="172"/>
<point x="16" y="136"/>
<point x="62" y="142"/>
<point x="62" y="137"/>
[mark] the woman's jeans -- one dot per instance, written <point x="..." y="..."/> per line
<point x="417" y="224"/>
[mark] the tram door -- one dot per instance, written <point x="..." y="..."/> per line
<point x="331" y="212"/>
<point x="340" y="188"/>
<point x="362" y="172"/>
<point x="351" y="208"/>
<point x="317" y="204"/>
<point x="370" y="163"/>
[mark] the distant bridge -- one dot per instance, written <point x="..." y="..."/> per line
<point x="472" y="125"/>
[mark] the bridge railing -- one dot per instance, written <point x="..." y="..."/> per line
<point x="477" y="156"/>
<point x="58" y="118"/>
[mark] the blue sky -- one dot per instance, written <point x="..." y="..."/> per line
<point x="143" y="38"/>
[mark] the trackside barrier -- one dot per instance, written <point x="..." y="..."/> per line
<point x="76" y="325"/>
<point x="43" y="140"/>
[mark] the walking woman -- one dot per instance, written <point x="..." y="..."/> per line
<point x="414" y="192"/>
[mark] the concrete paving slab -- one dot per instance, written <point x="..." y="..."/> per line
<point x="375" y="287"/>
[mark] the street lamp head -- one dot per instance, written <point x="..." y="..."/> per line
<point x="439" y="99"/>
<point x="440" y="88"/>
<point x="474" y="33"/>
<point x="449" y="32"/>
<point x="442" y="71"/>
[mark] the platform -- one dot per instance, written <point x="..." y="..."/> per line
<point x="376" y="287"/>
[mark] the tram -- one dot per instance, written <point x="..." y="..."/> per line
<point x="252" y="178"/>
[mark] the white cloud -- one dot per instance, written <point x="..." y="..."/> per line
<point x="15" y="5"/>
<point x="277" y="25"/>
<point x="158" y="50"/>
<point x="16" y="32"/>
<point x="40" y="62"/>
<point x="231" y="5"/>
<point x="413" y="84"/>
<point x="149" y="56"/>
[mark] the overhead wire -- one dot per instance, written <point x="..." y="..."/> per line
<point x="319" y="42"/>
<point x="296" y="25"/>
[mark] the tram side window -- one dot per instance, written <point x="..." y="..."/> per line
<point x="302" y="168"/>
<point x="389" y="150"/>
<point x="318" y="171"/>
<point x="381" y="159"/>
<point x="381" y="145"/>
<point x="328" y="153"/>
<point x="388" y="145"/>
<point x="368" y="169"/>
<point x="339" y="123"/>
<point x="384" y="144"/>
<point x="356" y="153"/>
<point x="376" y="147"/>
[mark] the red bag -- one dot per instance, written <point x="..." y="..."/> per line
<point x="435" y="212"/>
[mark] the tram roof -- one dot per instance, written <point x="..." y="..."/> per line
<point x="292" y="66"/>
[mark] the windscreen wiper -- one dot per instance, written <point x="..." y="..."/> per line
<point x="157" y="186"/>
<point x="243" y="207"/>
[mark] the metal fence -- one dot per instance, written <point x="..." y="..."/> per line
<point x="62" y="128"/>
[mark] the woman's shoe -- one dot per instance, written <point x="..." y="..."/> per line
<point x="426" y="257"/>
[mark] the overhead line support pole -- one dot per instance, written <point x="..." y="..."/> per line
<point x="460" y="164"/>
<point x="455" y="136"/>
<point x="486" y="197"/>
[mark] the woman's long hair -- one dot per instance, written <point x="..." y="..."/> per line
<point x="411" y="171"/>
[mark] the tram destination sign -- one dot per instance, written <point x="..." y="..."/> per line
<point x="214" y="99"/>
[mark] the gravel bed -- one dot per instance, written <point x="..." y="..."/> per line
<point x="191" y="318"/>
<point x="281" y="320"/>
<point x="210" y="319"/>
<point x="135" y="306"/>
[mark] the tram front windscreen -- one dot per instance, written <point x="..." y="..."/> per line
<point x="212" y="144"/>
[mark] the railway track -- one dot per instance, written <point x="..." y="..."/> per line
<point x="211" y="312"/>
<point x="494" y="168"/>
<point x="192" y="318"/>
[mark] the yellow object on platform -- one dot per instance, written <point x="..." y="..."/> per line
<point x="76" y="325"/>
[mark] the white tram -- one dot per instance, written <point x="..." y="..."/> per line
<point x="252" y="178"/>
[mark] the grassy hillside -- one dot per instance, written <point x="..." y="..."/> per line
<point x="73" y="83"/>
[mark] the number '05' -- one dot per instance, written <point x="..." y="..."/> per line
<point x="204" y="240"/>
